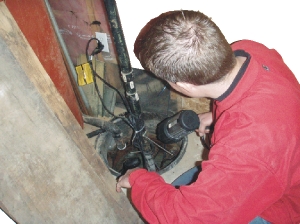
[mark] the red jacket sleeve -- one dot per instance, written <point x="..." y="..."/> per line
<point x="222" y="194"/>
<point x="253" y="164"/>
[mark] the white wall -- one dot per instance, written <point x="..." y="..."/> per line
<point x="274" y="23"/>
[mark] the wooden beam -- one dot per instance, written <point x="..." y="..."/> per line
<point x="50" y="173"/>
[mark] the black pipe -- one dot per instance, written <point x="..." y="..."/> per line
<point x="128" y="79"/>
<point x="122" y="55"/>
<point x="116" y="29"/>
<point x="106" y="126"/>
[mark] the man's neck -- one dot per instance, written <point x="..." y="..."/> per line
<point x="215" y="90"/>
<point x="212" y="90"/>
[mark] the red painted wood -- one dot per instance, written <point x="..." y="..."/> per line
<point x="74" y="19"/>
<point x="32" y="18"/>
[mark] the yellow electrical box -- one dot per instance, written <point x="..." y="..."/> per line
<point x="84" y="74"/>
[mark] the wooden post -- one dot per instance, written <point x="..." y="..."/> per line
<point x="50" y="173"/>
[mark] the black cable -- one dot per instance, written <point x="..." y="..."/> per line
<point x="118" y="92"/>
<point x="204" y="142"/>
<point x="132" y="120"/>
<point x="97" y="50"/>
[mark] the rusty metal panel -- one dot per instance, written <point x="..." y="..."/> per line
<point x="32" y="18"/>
<point x="78" y="20"/>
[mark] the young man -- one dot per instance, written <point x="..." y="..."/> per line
<point x="253" y="168"/>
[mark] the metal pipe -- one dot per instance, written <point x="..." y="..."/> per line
<point x="66" y="53"/>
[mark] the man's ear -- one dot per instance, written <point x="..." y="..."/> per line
<point x="185" y="85"/>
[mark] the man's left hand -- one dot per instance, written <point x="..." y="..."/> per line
<point x="123" y="181"/>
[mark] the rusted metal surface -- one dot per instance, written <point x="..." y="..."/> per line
<point x="32" y="18"/>
<point x="78" y="20"/>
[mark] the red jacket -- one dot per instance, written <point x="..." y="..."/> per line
<point x="254" y="163"/>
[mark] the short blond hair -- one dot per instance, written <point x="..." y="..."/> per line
<point x="184" y="46"/>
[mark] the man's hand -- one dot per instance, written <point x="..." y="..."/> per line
<point x="123" y="181"/>
<point x="205" y="122"/>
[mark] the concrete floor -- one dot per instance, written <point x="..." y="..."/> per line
<point x="192" y="157"/>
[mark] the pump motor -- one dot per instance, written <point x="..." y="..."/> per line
<point x="174" y="128"/>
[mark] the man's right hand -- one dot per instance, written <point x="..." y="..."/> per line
<point x="205" y="122"/>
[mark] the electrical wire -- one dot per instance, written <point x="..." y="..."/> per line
<point x="97" y="50"/>
<point x="132" y="120"/>
<point x="204" y="143"/>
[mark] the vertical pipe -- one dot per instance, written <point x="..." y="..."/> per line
<point x="116" y="28"/>
<point x="128" y="79"/>
<point x="123" y="57"/>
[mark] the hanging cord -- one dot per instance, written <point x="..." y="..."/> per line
<point x="204" y="142"/>
<point x="132" y="120"/>
<point x="97" y="50"/>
